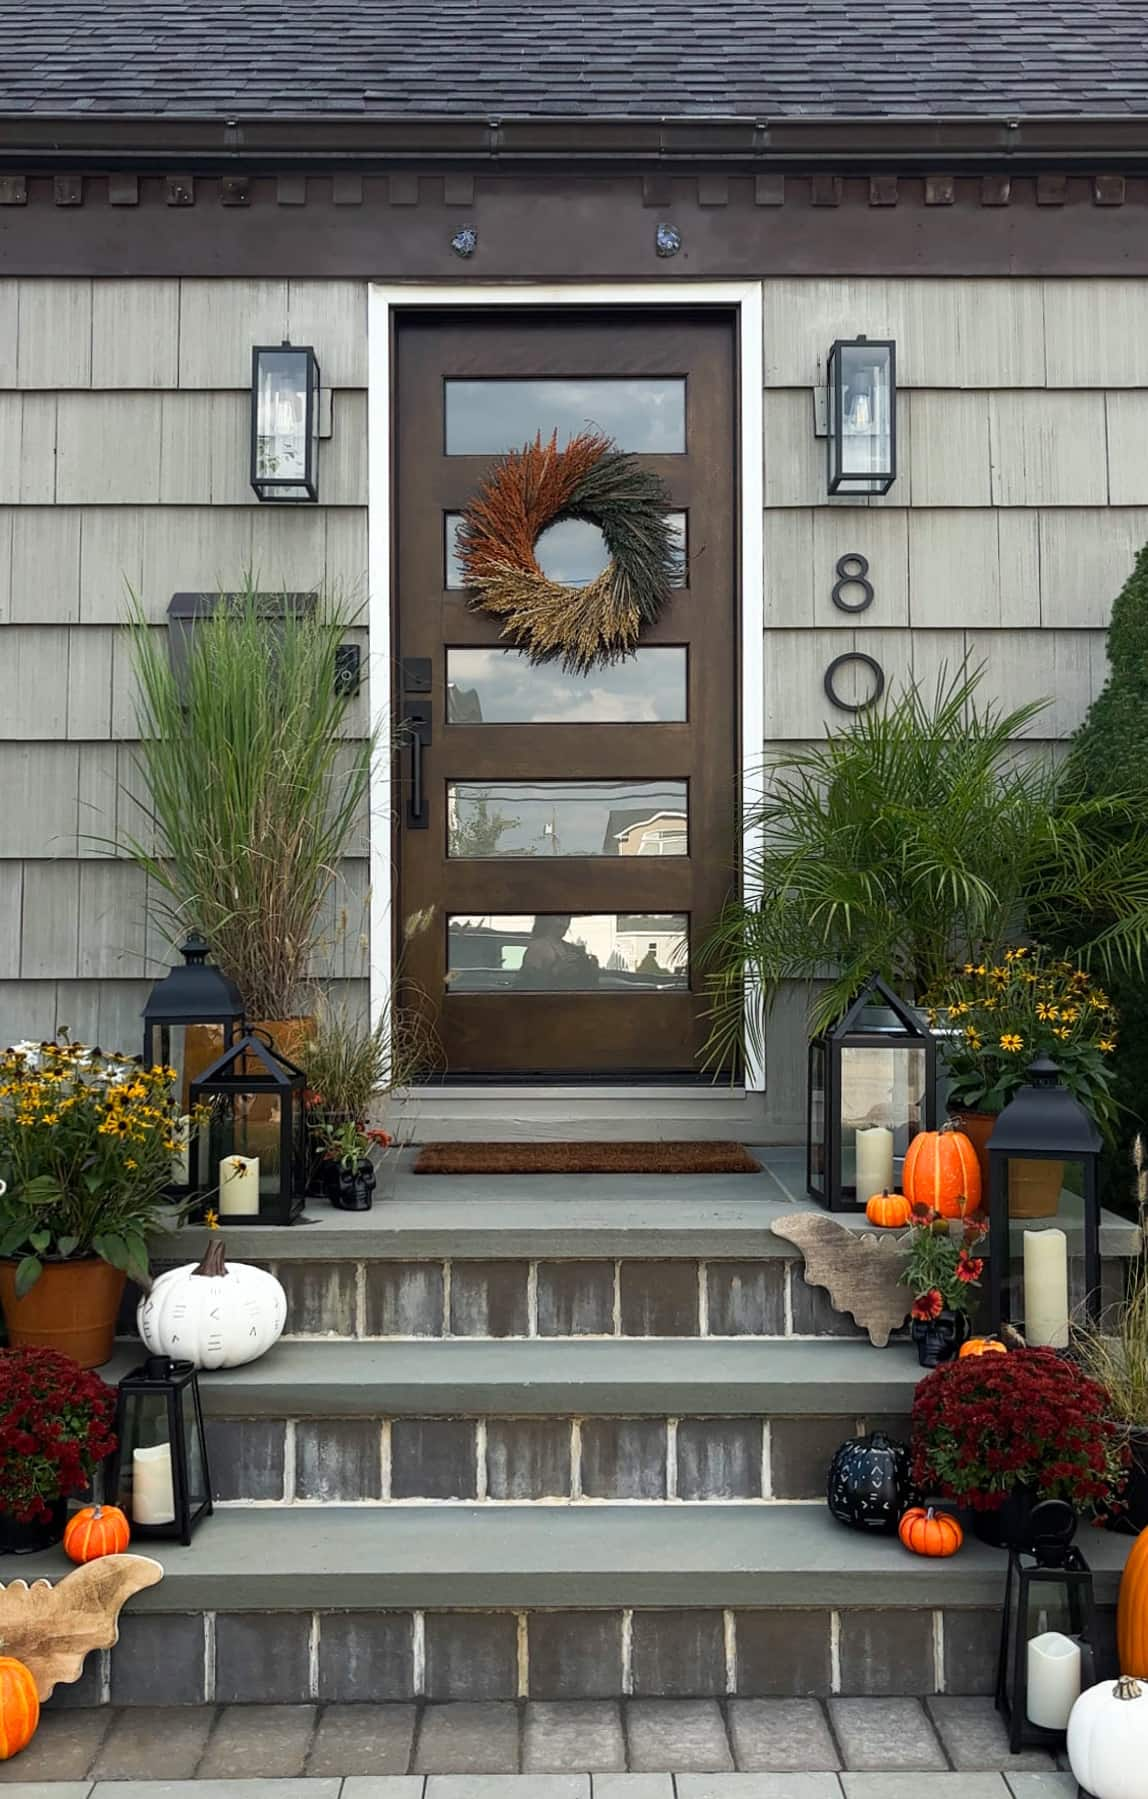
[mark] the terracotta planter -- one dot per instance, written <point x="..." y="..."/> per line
<point x="978" y="1128"/>
<point x="72" y="1307"/>
<point x="1034" y="1189"/>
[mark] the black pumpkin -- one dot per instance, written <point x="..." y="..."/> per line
<point x="869" y="1483"/>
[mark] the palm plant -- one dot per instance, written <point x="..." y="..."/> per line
<point x="253" y="786"/>
<point x="921" y="834"/>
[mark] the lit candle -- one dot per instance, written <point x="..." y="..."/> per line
<point x="1046" y="1289"/>
<point x="874" y="1161"/>
<point x="181" y="1159"/>
<point x="153" y="1497"/>
<point x="1053" y="1679"/>
<point x="238" y="1185"/>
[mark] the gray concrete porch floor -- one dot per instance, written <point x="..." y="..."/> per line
<point x="634" y="1749"/>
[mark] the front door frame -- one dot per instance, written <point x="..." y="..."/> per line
<point x="744" y="301"/>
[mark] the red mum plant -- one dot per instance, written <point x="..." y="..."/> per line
<point x="985" y="1425"/>
<point x="941" y="1271"/>
<point x="55" y="1426"/>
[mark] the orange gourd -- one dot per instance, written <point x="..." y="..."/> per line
<point x="983" y="1346"/>
<point x="927" y="1532"/>
<point x="941" y="1170"/>
<point x="19" y="1707"/>
<point x="1132" y="1612"/>
<point x="889" y="1210"/>
<point x="96" y="1530"/>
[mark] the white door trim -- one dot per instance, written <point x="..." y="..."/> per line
<point x="745" y="300"/>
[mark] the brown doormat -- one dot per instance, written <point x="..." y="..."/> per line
<point x="585" y="1158"/>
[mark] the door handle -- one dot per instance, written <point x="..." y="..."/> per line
<point x="417" y="728"/>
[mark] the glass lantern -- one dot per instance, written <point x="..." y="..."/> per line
<point x="862" y="384"/>
<point x="872" y="1087"/>
<point x="1044" y="1212"/>
<point x="160" y="1475"/>
<point x="192" y="1015"/>
<point x="1048" y="1631"/>
<point x="285" y="422"/>
<point x="249" y="1163"/>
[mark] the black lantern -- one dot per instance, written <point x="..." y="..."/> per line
<point x="1044" y="1211"/>
<point x="160" y="1475"/>
<point x="862" y="416"/>
<point x="872" y="1087"/>
<point x="285" y="422"/>
<point x="192" y="1015"/>
<point x="249" y="1163"/>
<point x="1048" y="1630"/>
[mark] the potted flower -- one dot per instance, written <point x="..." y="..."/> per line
<point x="346" y="1175"/>
<point x="351" y="1071"/>
<point x="86" y="1146"/>
<point x="994" y="1018"/>
<point x="55" y="1427"/>
<point x="942" y="1273"/>
<point x="1115" y="1353"/>
<point x="998" y="1433"/>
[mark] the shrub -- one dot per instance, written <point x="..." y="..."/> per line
<point x="55" y="1426"/>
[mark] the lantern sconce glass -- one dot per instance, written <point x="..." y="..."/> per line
<point x="285" y="422"/>
<point x="862" y="416"/>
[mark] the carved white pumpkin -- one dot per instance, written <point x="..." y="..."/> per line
<point x="213" y="1314"/>
<point x="1108" y="1739"/>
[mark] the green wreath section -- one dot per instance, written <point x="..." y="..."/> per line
<point x="586" y="627"/>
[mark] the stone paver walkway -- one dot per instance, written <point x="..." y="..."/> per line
<point x="635" y="1749"/>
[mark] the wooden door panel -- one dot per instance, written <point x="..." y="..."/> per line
<point x="621" y="1030"/>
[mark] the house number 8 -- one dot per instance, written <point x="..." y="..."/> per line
<point x="852" y="571"/>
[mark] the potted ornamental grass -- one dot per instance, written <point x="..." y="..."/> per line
<point x="86" y="1147"/>
<point x="352" y="1069"/>
<point x="942" y="1272"/>
<point x="55" y="1428"/>
<point x="999" y="1433"/>
<point x="1114" y="1352"/>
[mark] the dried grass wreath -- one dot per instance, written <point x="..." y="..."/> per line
<point x="533" y="488"/>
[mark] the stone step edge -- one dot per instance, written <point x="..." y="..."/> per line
<point x="559" y="1377"/>
<point x="561" y="1558"/>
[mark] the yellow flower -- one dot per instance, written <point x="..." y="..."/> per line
<point x="1107" y="1045"/>
<point x="1062" y="1031"/>
<point x="1010" y="1040"/>
<point x="130" y="1162"/>
<point x="211" y="1219"/>
<point x="1044" y="1011"/>
<point x="50" y="1118"/>
<point x="959" y="1010"/>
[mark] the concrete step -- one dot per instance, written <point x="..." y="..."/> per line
<point x="555" y="1602"/>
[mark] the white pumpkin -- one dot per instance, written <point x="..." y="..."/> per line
<point x="212" y="1313"/>
<point x="1108" y="1740"/>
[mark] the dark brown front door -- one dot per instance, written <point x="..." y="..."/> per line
<point x="564" y="841"/>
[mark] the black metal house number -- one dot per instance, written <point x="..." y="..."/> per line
<point x="852" y="572"/>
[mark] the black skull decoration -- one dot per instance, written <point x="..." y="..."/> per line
<point x="869" y="1482"/>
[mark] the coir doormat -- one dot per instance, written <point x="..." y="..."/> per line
<point x="585" y="1158"/>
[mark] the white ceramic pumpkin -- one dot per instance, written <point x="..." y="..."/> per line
<point x="1108" y="1740"/>
<point x="212" y="1313"/>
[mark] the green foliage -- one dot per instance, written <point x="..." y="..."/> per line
<point x="941" y="1271"/>
<point x="348" y="1063"/>
<point x="252" y="786"/>
<point x="921" y="834"/>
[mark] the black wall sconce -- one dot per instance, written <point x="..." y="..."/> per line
<point x="862" y="416"/>
<point x="285" y="422"/>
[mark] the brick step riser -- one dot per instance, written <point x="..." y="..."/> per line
<point x="295" y="1657"/>
<point x="505" y="1460"/>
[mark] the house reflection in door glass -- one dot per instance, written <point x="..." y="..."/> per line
<point x="555" y="952"/>
<point x="507" y="819"/>
<point x="503" y="687"/>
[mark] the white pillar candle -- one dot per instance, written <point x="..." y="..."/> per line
<point x="874" y="1161"/>
<point x="153" y="1496"/>
<point x="181" y="1159"/>
<point x="238" y="1185"/>
<point x="1046" y="1289"/>
<point x="1054" y="1666"/>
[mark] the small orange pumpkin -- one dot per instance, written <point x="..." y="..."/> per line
<point x="984" y="1346"/>
<point x="927" y="1532"/>
<point x="941" y="1170"/>
<point x="96" y="1530"/>
<point x="19" y="1707"/>
<point x="889" y="1210"/>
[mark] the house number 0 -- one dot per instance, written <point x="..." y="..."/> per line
<point x="853" y="572"/>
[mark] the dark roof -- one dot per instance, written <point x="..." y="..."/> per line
<point x="574" y="58"/>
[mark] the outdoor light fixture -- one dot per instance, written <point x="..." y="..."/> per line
<point x="160" y="1475"/>
<point x="249" y="1162"/>
<point x="285" y="422"/>
<point x="872" y="1087"/>
<point x="862" y="416"/>
<point x="1048" y="1630"/>
<point x="192" y="1015"/>
<point x="1044" y="1211"/>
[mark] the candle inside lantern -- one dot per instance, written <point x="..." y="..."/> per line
<point x="1046" y="1289"/>
<point x="874" y="1161"/>
<point x="153" y="1496"/>
<point x="238" y="1185"/>
<point x="1054" y="1669"/>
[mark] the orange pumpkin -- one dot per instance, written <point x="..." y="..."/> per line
<point x="1132" y="1612"/>
<point x="941" y="1170"/>
<point x="96" y="1530"/>
<point x="984" y="1346"/>
<point x="889" y="1210"/>
<point x="927" y="1532"/>
<point x="19" y="1707"/>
